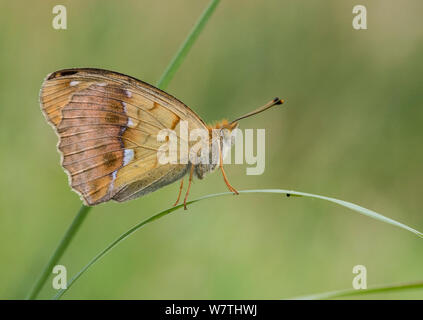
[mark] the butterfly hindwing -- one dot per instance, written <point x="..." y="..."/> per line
<point x="107" y="125"/>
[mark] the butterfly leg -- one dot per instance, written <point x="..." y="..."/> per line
<point x="189" y="186"/>
<point x="180" y="192"/>
<point x="224" y="174"/>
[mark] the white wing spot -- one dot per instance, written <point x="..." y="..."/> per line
<point x="128" y="93"/>
<point x="102" y="84"/>
<point x="113" y="180"/>
<point x="130" y="123"/>
<point x="128" y="155"/>
<point x="73" y="83"/>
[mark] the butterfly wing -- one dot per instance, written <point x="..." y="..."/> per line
<point x="107" y="125"/>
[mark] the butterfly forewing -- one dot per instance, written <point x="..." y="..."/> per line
<point x="107" y="125"/>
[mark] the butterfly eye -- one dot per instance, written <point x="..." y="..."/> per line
<point x="225" y="133"/>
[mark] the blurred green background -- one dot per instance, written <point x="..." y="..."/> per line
<point x="351" y="129"/>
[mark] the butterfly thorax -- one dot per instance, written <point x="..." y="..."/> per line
<point x="221" y="139"/>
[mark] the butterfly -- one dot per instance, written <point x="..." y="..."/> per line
<point x="108" y="123"/>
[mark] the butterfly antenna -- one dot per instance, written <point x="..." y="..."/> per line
<point x="268" y="105"/>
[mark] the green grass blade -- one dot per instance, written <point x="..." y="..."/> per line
<point x="353" y="293"/>
<point x="349" y="205"/>
<point x="186" y="46"/>
<point x="64" y="243"/>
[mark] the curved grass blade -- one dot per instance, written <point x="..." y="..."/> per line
<point x="349" y="205"/>
<point x="57" y="254"/>
<point x="353" y="292"/>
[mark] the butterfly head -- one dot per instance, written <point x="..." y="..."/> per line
<point x="222" y="128"/>
<point x="224" y="133"/>
<point x="226" y="129"/>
